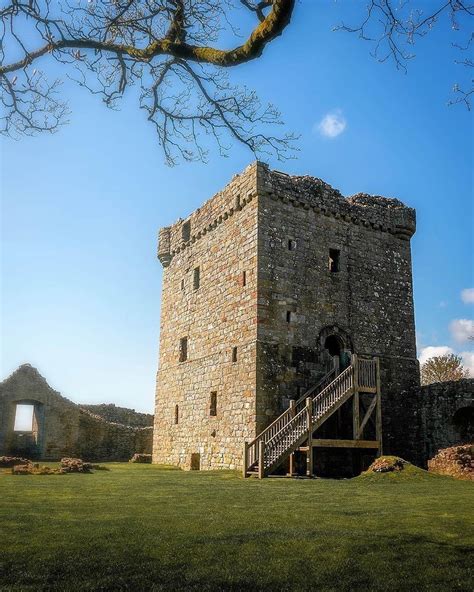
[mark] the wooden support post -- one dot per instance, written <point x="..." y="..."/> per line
<point x="309" y="454"/>
<point x="378" y="411"/>
<point x="355" y="379"/>
<point x="292" y="407"/>
<point x="291" y="468"/>
<point x="355" y="416"/>
<point x="261" y="459"/>
<point x="246" y="458"/>
<point x="291" y="465"/>
<point x="355" y="400"/>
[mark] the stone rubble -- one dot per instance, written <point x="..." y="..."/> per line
<point x="456" y="461"/>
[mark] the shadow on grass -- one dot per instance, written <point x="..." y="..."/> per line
<point x="297" y="559"/>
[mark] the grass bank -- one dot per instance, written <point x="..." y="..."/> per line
<point x="142" y="527"/>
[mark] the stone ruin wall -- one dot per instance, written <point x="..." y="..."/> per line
<point x="112" y="413"/>
<point x="216" y="317"/>
<point x="433" y="417"/>
<point x="64" y="428"/>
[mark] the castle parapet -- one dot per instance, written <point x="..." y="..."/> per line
<point x="380" y="213"/>
<point x="309" y="193"/>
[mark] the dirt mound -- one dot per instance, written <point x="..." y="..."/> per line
<point x="457" y="461"/>
<point x="393" y="468"/>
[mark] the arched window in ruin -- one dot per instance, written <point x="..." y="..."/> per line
<point x="463" y="424"/>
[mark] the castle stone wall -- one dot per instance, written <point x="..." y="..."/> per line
<point x="216" y="317"/>
<point x="433" y="417"/>
<point x="280" y="319"/>
<point x="368" y="302"/>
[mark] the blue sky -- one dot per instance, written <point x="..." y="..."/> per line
<point x="81" y="209"/>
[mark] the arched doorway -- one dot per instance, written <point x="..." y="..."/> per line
<point x="336" y="347"/>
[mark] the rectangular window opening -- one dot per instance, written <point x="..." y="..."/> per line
<point x="195" y="464"/>
<point x="24" y="415"/>
<point x="183" y="349"/>
<point x="291" y="244"/>
<point x="213" y="404"/>
<point x="182" y="285"/>
<point x="234" y="355"/>
<point x="289" y="316"/>
<point x="186" y="231"/>
<point x="176" y="414"/>
<point x="334" y="260"/>
<point x="244" y="278"/>
<point x="196" y="278"/>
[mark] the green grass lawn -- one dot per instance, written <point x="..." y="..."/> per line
<point x="143" y="527"/>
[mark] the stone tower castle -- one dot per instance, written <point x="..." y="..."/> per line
<point x="265" y="287"/>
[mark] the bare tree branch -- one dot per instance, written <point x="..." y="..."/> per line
<point x="393" y="27"/>
<point x="108" y="45"/>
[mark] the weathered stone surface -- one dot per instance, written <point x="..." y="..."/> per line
<point x="281" y="231"/>
<point x="457" y="461"/>
<point x="75" y="465"/>
<point x="429" y="418"/>
<point x="61" y="428"/>
<point x="115" y="414"/>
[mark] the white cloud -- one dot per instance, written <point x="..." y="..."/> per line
<point x="468" y="362"/>
<point x="332" y="124"/>
<point x="462" y="329"/>
<point x="467" y="296"/>
<point x="432" y="351"/>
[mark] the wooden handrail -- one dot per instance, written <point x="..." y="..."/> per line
<point x="270" y="446"/>
<point x="252" y="447"/>
<point x="298" y="425"/>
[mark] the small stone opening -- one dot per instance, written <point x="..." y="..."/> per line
<point x="195" y="461"/>
<point x="292" y="244"/>
<point x="183" y="349"/>
<point x="182" y="285"/>
<point x="176" y="414"/>
<point x="234" y="355"/>
<point x="196" y="278"/>
<point x="24" y="417"/>
<point x="186" y="231"/>
<point x="334" y="260"/>
<point x="289" y="316"/>
<point x="213" y="404"/>
<point x="244" y="278"/>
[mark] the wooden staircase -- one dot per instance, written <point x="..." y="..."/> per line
<point x="295" y="426"/>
